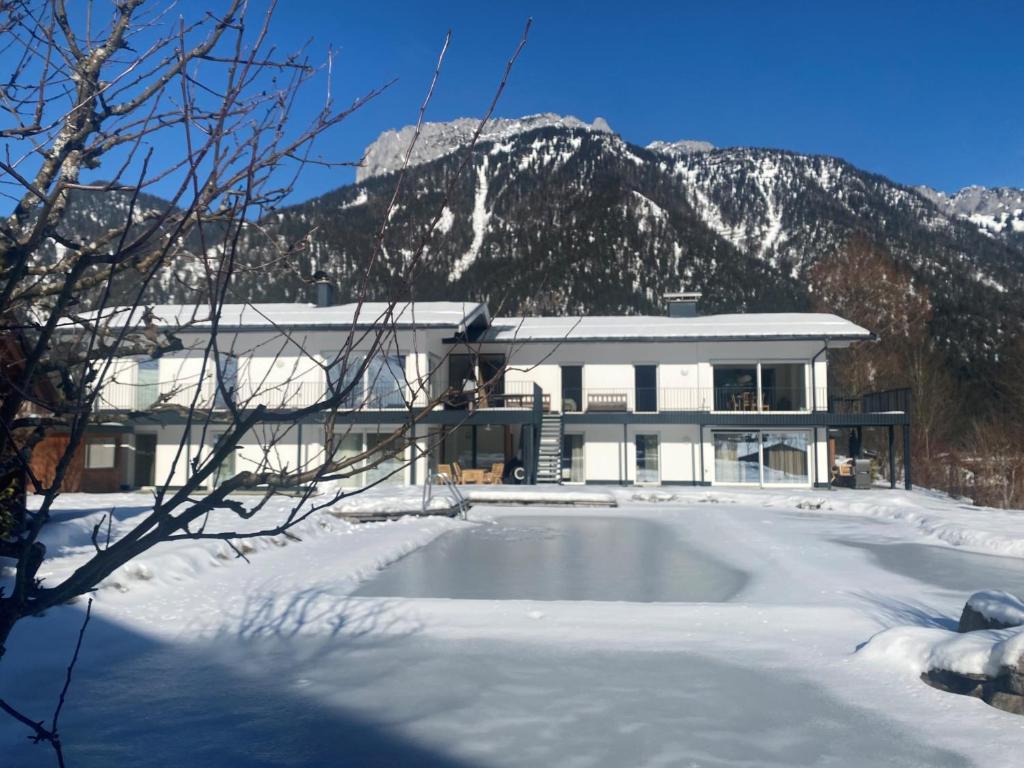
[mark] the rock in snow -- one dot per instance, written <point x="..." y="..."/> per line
<point x="991" y="609"/>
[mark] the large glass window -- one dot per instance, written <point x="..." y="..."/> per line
<point x="737" y="458"/>
<point x="783" y="386"/>
<point x="389" y="468"/>
<point x="479" y="377"/>
<point x="385" y="377"/>
<point x="647" y="468"/>
<point x="771" y="458"/>
<point x="735" y="388"/>
<point x="381" y="384"/>
<point x="347" y="446"/>
<point x="761" y="387"/>
<point x="572" y="458"/>
<point x="475" y="447"/>
<point x="785" y="457"/>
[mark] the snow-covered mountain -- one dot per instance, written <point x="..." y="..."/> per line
<point x="387" y="153"/>
<point x="995" y="210"/>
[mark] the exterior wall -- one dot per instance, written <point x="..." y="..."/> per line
<point x="276" y="368"/>
<point x="685" y="369"/>
<point x="271" y="368"/>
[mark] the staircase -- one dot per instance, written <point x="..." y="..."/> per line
<point x="549" y="457"/>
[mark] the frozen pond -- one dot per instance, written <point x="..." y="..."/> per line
<point x="560" y="558"/>
<point x="948" y="568"/>
<point x="319" y="702"/>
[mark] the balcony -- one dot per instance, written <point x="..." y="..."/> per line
<point x="519" y="395"/>
<point x="171" y="395"/>
<point x="739" y="400"/>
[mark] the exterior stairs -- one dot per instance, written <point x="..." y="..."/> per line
<point x="549" y="456"/>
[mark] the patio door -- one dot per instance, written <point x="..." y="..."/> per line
<point x="751" y="457"/>
<point x="648" y="468"/>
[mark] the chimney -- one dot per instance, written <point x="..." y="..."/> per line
<point x="683" y="304"/>
<point x="324" y="290"/>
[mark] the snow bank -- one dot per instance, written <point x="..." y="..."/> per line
<point x="919" y="649"/>
<point x="985" y="530"/>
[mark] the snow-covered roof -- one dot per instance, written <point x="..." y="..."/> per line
<point x="766" y="325"/>
<point x="454" y="315"/>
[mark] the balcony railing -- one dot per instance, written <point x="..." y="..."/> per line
<point x="119" y="396"/>
<point x="519" y="395"/>
<point x="737" y="399"/>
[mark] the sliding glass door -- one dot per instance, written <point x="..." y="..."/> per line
<point x="737" y="458"/>
<point x="762" y="458"/>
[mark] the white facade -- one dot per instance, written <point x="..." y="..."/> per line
<point x="640" y="400"/>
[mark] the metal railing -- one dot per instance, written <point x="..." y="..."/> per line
<point x="121" y="396"/>
<point x="517" y="395"/>
<point x="737" y="400"/>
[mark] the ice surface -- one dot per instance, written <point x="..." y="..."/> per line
<point x="560" y="558"/>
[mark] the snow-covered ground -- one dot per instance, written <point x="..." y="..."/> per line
<point x="196" y="657"/>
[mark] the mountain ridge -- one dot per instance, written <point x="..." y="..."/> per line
<point x="555" y="215"/>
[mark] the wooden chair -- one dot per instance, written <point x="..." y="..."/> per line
<point x="446" y="471"/>
<point x="497" y="471"/>
<point x="456" y="475"/>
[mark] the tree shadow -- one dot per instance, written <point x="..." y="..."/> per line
<point x="138" y="701"/>
<point x="892" y="612"/>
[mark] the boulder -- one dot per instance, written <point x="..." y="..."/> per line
<point x="991" y="609"/>
<point x="1005" y="691"/>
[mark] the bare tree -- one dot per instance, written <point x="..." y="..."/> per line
<point x="83" y="109"/>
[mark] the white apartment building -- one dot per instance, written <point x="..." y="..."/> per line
<point x="736" y="399"/>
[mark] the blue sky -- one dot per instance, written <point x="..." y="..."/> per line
<point x="922" y="92"/>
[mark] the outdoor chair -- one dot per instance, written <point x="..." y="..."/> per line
<point x="444" y="471"/>
<point x="456" y="475"/>
<point x="497" y="471"/>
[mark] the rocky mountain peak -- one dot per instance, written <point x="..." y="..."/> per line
<point x="386" y="154"/>
<point x="683" y="147"/>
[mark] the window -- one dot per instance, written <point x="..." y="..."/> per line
<point x="737" y="457"/>
<point x="761" y="387"/>
<point x="736" y="388"/>
<point x="647" y="459"/>
<point x="645" y="380"/>
<point x="347" y="447"/>
<point x="225" y="470"/>
<point x="100" y="455"/>
<point x="785" y="458"/>
<point x="389" y="457"/>
<point x="385" y="381"/>
<point x="572" y="388"/>
<point x="227" y="371"/>
<point x="381" y="384"/>
<point x="762" y="458"/>
<point x="476" y="447"/>
<point x="147" y="384"/>
<point x="572" y="458"/>
<point x="784" y="386"/>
